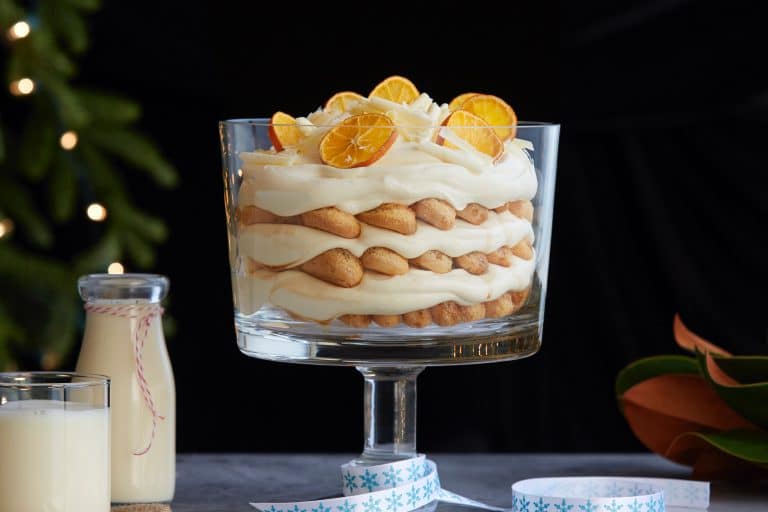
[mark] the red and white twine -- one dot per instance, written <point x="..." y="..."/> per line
<point x="143" y="314"/>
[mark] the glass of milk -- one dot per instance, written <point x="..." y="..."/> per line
<point x="54" y="442"/>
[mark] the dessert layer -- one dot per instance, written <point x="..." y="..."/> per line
<point x="377" y="294"/>
<point x="409" y="172"/>
<point x="287" y="245"/>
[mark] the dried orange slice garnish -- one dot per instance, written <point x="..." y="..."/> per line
<point x="494" y="111"/>
<point x="397" y="89"/>
<point x="475" y="131"/>
<point x="459" y="100"/>
<point x="283" y="131"/>
<point x="358" y="140"/>
<point x="342" y="101"/>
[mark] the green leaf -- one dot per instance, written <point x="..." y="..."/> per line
<point x="38" y="145"/>
<point x="749" y="400"/>
<point x="98" y="257"/>
<point x="62" y="189"/>
<point x="18" y="204"/>
<point x="745" y="369"/>
<point x="136" y="150"/>
<point x="650" y="367"/>
<point x="109" y="108"/>
<point x="748" y="445"/>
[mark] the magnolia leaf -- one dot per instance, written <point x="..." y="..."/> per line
<point x="18" y="204"/>
<point x="748" y="445"/>
<point x="745" y="369"/>
<point x="37" y="146"/>
<point x="749" y="400"/>
<point x="691" y="341"/>
<point x="650" y="367"/>
<point x="136" y="150"/>
<point x="62" y="189"/>
<point x="110" y="108"/>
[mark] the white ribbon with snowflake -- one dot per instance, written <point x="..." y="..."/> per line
<point x="409" y="484"/>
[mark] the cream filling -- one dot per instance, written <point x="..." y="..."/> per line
<point x="408" y="172"/>
<point x="287" y="245"/>
<point x="377" y="294"/>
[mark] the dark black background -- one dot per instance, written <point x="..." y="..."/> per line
<point x="660" y="206"/>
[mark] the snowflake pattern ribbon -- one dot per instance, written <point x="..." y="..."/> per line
<point x="406" y="485"/>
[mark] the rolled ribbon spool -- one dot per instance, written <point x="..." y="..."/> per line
<point x="406" y="485"/>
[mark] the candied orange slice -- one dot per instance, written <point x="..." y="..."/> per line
<point x="459" y="100"/>
<point x="494" y="111"/>
<point x="358" y="140"/>
<point x="283" y="131"/>
<point x="475" y="131"/>
<point x="342" y="101"/>
<point x="397" y="89"/>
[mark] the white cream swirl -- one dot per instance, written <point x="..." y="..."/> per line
<point x="287" y="245"/>
<point x="409" y="172"/>
<point x="377" y="294"/>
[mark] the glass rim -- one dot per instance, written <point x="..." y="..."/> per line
<point x="265" y="123"/>
<point x="19" y="379"/>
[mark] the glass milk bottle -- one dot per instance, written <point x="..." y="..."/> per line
<point x="124" y="340"/>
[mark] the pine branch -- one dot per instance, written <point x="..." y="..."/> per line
<point x="38" y="144"/>
<point x="62" y="189"/>
<point x="136" y="150"/>
<point x="109" y="108"/>
<point x="18" y="203"/>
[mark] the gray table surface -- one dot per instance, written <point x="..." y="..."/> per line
<point x="226" y="483"/>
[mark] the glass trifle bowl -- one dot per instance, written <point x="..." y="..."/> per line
<point x="390" y="233"/>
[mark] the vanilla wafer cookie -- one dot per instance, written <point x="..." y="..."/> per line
<point x="436" y="212"/>
<point x="332" y="220"/>
<point x="473" y="213"/>
<point x="392" y="216"/>
<point x="336" y="266"/>
<point x="435" y="261"/>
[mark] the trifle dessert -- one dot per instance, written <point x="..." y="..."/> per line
<point x="387" y="210"/>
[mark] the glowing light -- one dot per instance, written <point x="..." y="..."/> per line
<point x="68" y="140"/>
<point x="96" y="212"/>
<point x="22" y="87"/>
<point x="6" y="226"/>
<point x="19" y="30"/>
<point x="240" y="172"/>
<point x="3" y="400"/>
<point x="115" y="268"/>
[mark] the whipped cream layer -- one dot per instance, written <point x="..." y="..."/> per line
<point x="288" y="245"/>
<point x="377" y="294"/>
<point x="408" y="172"/>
